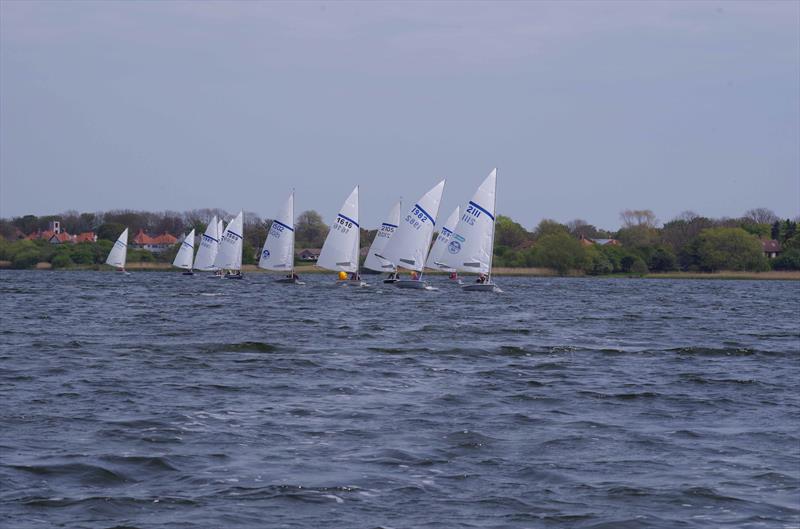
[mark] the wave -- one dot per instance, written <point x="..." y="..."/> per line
<point x="84" y="473"/>
<point x="257" y="347"/>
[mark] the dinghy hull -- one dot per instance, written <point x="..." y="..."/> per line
<point x="479" y="287"/>
<point x="412" y="284"/>
<point x="289" y="281"/>
<point x="352" y="283"/>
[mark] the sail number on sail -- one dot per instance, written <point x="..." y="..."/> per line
<point x="232" y="237"/>
<point x="418" y="217"/>
<point x="386" y="230"/>
<point x="473" y="212"/>
<point x="278" y="228"/>
<point x="343" y="224"/>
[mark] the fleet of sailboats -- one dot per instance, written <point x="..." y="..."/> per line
<point x="403" y="242"/>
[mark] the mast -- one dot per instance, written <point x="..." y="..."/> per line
<point x="291" y="254"/>
<point x="358" y="235"/>
<point x="494" y="223"/>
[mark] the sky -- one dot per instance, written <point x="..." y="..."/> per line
<point x="585" y="108"/>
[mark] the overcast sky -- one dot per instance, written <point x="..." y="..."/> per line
<point x="586" y="108"/>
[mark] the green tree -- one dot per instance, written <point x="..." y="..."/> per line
<point x="310" y="230"/>
<point x="662" y="260"/>
<point x="775" y="232"/>
<point x="788" y="260"/>
<point x="26" y="258"/>
<point x="509" y="233"/>
<point x="62" y="260"/>
<point x="730" y="249"/>
<point x="560" y="252"/>
<point x="109" y="231"/>
<point x="596" y="262"/>
<point x="549" y="227"/>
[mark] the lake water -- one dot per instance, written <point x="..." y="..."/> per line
<point x="158" y="400"/>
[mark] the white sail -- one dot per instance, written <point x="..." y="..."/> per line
<point x="119" y="252"/>
<point x="220" y="228"/>
<point x="471" y="246"/>
<point x="340" y="250"/>
<point x="278" y="251"/>
<point x="440" y="244"/>
<point x="185" y="254"/>
<point x="229" y="256"/>
<point x="209" y="245"/>
<point x="385" y="232"/>
<point x="409" y="245"/>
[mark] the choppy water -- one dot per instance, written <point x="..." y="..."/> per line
<point x="158" y="400"/>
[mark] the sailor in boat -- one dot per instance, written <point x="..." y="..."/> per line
<point x="414" y="276"/>
<point x="293" y="276"/>
<point x="454" y="276"/>
<point x="355" y="276"/>
<point x="481" y="278"/>
<point x="393" y="276"/>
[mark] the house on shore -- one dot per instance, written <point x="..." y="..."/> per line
<point x="599" y="242"/>
<point x="157" y="244"/>
<point x="55" y="235"/>
<point x="308" y="254"/>
<point x="771" y="248"/>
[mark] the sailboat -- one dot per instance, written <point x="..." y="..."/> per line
<point x="119" y="252"/>
<point x="408" y="247"/>
<point x="185" y="254"/>
<point x="472" y="245"/>
<point x="209" y="246"/>
<point x="440" y="245"/>
<point x="340" y="251"/>
<point x="385" y="232"/>
<point x="229" y="256"/>
<point x="219" y="273"/>
<point x="278" y="251"/>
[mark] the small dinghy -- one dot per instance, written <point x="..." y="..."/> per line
<point x="119" y="253"/>
<point x="185" y="256"/>
<point x="341" y="248"/>
<point x="278" y="251"/>
<point x="408" y="246"/>
<point x="229" y="256"/>
<point x="471" y="247"/>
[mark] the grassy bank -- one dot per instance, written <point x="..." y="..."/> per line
<point x="304" y="269"/>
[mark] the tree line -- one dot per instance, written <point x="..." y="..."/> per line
<point x="690" y="242"/>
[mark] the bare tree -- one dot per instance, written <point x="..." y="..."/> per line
<point x="638" y="217"/>
<point x="760" y="216"/>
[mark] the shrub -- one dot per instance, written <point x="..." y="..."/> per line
<point x="789" y="260"/>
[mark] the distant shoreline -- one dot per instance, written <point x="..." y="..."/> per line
<point x="773" y="275"/>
